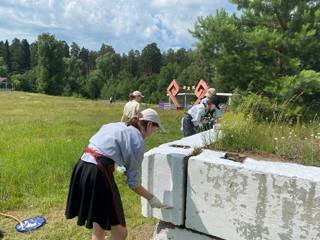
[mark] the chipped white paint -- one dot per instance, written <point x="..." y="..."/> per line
<point x="166" y="231"/>
<point x="252" y="200"/>
<point x="164" y="174"/>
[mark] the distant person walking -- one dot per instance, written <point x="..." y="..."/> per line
<point x="132" y="108"/>
<point x="93" y="194"/>
<point x="111" y="99"/>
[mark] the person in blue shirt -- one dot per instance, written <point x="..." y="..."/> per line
<point x="93" y="194"/>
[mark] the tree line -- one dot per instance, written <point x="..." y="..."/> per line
<point x="270" y="48"/>
<point x="51" y="66"/>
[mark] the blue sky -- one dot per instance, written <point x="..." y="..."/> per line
<point x="124" y="24"/>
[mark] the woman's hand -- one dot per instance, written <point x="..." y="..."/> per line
<point x="153" y="200"/>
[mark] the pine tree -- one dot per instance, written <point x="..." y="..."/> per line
<point x="26" y="56"/>
<point x="7" y="55"/>
<point x="150" y="61"/>
<point x="66" y="49"/>
<point x="17" y="57"/>
<point x="75" y="50"/>
<point x="34" y="54"/>
<point x="50" y="65"/>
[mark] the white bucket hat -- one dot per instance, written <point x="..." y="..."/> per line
<point x="211" y="92"/>
<point x="151" y="115"/>
<point x="137" y="93"/>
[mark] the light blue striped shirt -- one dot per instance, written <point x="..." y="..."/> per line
<point x="124" y="145"/>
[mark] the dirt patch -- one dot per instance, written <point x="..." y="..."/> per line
<point x="264" y="156"/>
<point x="257" y="155"/>
<point x="142" y="232"/>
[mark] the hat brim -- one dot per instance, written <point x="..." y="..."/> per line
<point x="162" y="129"/>
<point x="159" y="124"/>
<point x="138" y="95"/>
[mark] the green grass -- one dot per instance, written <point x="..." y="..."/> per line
<point x="41" y="138"/>
<point x="298" y="143"/>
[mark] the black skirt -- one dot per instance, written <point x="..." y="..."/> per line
<point x="94" y="196"/>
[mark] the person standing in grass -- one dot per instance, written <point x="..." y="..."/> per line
<point x="93" y="194"/>
<point x="132" y="108"/>
<point x="192" y="121"/>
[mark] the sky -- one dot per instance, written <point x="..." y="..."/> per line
<point x="124" y="24"/>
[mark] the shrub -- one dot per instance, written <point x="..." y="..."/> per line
<point x="300" y="92"/>
<point x="240" y="132"/>
<point x="25" y="82"/>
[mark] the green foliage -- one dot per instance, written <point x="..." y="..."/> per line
<point x="94" y="84"/>
<point x="270" y="39"/>
<point x="50" y="68"/>
<point x="108" y="64"/>
<point x="106" y="49"/>
<point x="167" y="73"/>
<point x="6" y="54"/>
<point x="240" y="132"/>
<point x="66" y="49"/>
<point x="301" y="92"/>
<point x="132" y="65"/>
<point x="19" y="56"/>
<point x="103" y="73"/>
<point x="221" y="43"/>
<point x="25" y="82"/>
<point x="3" y="68"/>
<point x="190" y="73"/>
<point x="34" y="54"/>
<point x="73" y="77"/>
<point x="150" y="61"/>
<point x="26" y="56"/>
<point x="75" y="50"/>
<point x="264" y="49"/>
<point x="260" y="107"/>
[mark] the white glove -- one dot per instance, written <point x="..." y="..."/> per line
<point x="121" y="169"/>
<point x="156" y="203"/>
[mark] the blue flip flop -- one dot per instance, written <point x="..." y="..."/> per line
<point x="30" y="224"/>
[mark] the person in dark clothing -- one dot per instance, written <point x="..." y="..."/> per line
<point x="192" y="121"/>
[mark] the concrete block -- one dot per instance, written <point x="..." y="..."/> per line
<point x="253" y="200"/>
<point x="197" y="140"/>
<point x="165" y="231"/>
<point x="164" y="174"/>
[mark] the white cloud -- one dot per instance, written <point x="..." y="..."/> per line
<point x="124" y="24"/>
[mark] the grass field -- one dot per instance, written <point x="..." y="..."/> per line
<point x="41" y="138"/>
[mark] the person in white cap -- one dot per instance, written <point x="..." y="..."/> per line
<point x="211" y="92"/>
<point x="132" y="108"/>
<point x="93" y="194"/>
<point x="191" y="123"/>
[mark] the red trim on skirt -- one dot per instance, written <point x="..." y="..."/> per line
<point x="109" y="169"/>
